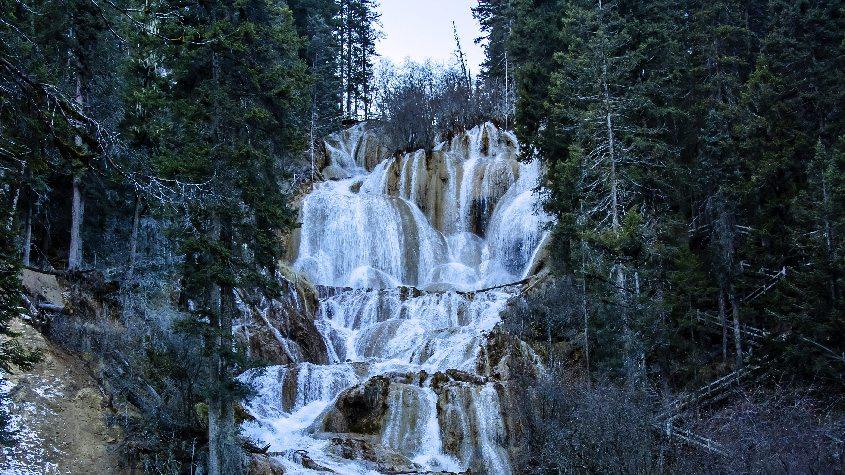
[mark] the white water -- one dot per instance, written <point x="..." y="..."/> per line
<point x="461" y="219"/>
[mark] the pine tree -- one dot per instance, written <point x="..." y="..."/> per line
<point x="496" y="18"/>
<point x="722" y="55"/>
<point x="358" y="33"/>
<point x="318" y="21"/>
<point x="792" y="139"/>
<point x="237" y="100"/>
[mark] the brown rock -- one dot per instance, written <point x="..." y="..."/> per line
<point x="360" y="409"/>
<point x="373" y="455"/>
<point x="263" y="465"/>
<point x="282" y="331"/>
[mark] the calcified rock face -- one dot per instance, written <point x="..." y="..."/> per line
<point x="281" y="330"/>
<point x="463" y="215"/>
<point x="401" y="248"/>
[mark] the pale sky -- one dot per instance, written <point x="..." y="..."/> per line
<point x="422" y="29"/>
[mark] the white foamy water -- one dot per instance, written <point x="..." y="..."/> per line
<point x="412" y="237"/>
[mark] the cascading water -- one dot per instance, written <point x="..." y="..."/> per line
<point x="404" y="247"/>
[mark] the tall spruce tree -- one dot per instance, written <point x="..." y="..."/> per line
<point x="496" y="19"/>
<point x="792" y="138"/>
<point x="318" y="23"/>
<point x="722" y="55"/>
<point x="237" y="97"/>
<point x="359" y="31"/>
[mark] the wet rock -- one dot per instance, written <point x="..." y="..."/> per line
<point x="515" y="365"/>
<point x="363" y="146"/>
<point x="281" y="330"/>
<point x="359" y="409"/>
<point x="263" y="465"/>
<point x="435" y="180"/>
<point x="504" y="357"/>
<point x="302" y="458"/>
<point x="373" y="455"/>
<point x="333" y="172"/>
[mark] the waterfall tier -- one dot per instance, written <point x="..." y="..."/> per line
<point x="403" y="245"/>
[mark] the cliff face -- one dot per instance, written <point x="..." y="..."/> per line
<point x="456" y="185"/>
<point x="360" y="147"/>
<point x="463" y="213"/>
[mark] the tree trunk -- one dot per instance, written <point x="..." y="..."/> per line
<point x="627" y="361"/>
<point x="349" y="82"/>
<point x="215" y="449"/>
<point x="736" y="325"/>
<point x="133" y="239"/>
<point x="507" y="90"/>
<point x="586" y="318"/>
<point x="45" y="239"/>
<point x="27" y="233"/>
<point x="74" y="258"/>
<point x="723" y="317"/>
<point x="13" y="209"/>
<point x="664" y="339"/>
<point x="312" y="136"/>
<point x="224" y="455"/>
<point x="13" y="203"/>
<point x="829" y="239"/>
<point x="215" y="404"/>
<point x="616" y="223"/>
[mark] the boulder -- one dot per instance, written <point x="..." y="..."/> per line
<point x="360" y="409"/>
<point x="260" y="464"/>
<point x="42" y="288"/>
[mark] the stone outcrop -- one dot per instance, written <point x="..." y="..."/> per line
<point x="506" y="358"/>
<point x="362" y="146"/>
<point x="360" y="409"/>
<point x="416" y="253"/>
<point x="281" y="330"/>
<point x="389" y="414"/>
<point x="512" y="362"/>
<point x="453" y="176"/>
<point x="372" y="455"/>
<point x="58" y="414"/>
<point x="43" y="289"/>
<point x="263" y="465"/>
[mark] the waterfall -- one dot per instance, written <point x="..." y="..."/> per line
<point x="409" y="242"/>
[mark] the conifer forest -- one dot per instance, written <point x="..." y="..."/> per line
<point x="235" y="238"/>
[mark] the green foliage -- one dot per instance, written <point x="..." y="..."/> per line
<point x="358" y="21"/>
<point x="692" y="152"/>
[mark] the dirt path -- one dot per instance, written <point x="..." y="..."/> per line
<point x="56" y="409"/>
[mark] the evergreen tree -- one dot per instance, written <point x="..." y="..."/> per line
<point x="318" y="22"/>
<point x="359" y="21"/>
<point x="791" y="137"/>
<point x="496" y="18"/>
<point x="722" y="55"/>
<point x="237" y="99"/>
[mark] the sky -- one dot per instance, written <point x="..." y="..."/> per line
<point x="422" y="29"/>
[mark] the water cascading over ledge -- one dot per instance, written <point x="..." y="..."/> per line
<point x="413" y="378"/>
